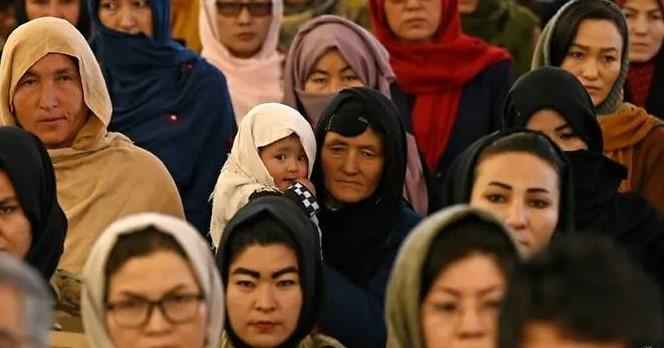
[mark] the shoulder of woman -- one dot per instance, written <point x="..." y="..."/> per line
<point x="320" y="341"/>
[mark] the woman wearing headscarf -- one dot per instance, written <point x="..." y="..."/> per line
<point x="101" y="176"/>
<point x="241" y="41"/>
<point x="523" y="178"/>
<point x="449" y="86"/>
<point x="330" y="53"/>
<point x="165" y="98"/>
<point x="463" y="251"/>
<point x="359" y="176"/>
<point x="148" y="263"/>
<point x="590" y="39"/>
<point x="503" y="23"/>
<point x="275" y="230"/>
<point x="75" y="12"/>
<point x="553" y="101"/>
<point x="33" y="224"/>
<point x="645" y="79"/>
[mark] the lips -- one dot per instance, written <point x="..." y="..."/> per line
<point x="348" y="182"/>
<point x="52" y="119"/>
<point x="246" y="36"/>
<point x="592" y="89"/>
<point x="264" y="326"/>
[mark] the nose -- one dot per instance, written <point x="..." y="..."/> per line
<point x="127" y="20"/>
<point x="157" y="322"/>
<point x="349" y="165"/>
<point x="54" y="10"/>
<point x="48" y="98"/>
<point x="334" y="86"/>
<point x="639" y="25"/>
<point x="244" y="17"/>
<point x="266" y="301"/>
<point x="291" y="165"/>
<point x="413" y="4"/>
<point x="471" y="325"/>
<point x="589" y="69"/>
<point x="515" y="218"/>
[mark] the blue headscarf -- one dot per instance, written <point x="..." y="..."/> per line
<point x="169" y="101"/>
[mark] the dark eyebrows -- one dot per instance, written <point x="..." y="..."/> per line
<point x="279" y="273"/>
<point x="248" y="272"/>
<point x="500" y="184"/>
<point x="318" y="71"/>
<point x="586" y="48"/>
<point x="8" y="200"/>
<point x="538" y="190"/>
<point x="137" y="295"/>
<point x="563" y="127"/>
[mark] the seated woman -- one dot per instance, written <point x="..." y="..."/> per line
<point x="523" y="178"/>
<point x="449" y="86"/>
<point x="553" y="101"/>
<point x="32" y="224"/>
<point x="270" y="262"/>
<point x="165" y="98"/>
<point x="448" y="281"/>
<point x="151" y="281"/>
<point x="331" y="53"/>
<point x="644" y="85"/>
<point x="240" y="39"/>
<point x="73" y="11"/>
<point x="589" y="38"/>
<point x="359" y="175"/>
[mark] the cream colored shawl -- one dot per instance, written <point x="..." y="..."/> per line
<point x="244" y="171"/>
<point x="102" y="176"/>
<point x="198" y="253"/>
<point x="251" y="81"/>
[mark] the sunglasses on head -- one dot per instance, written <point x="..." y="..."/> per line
<point x="233" y="9"/>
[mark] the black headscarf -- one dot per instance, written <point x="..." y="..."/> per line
<point x="83" y="24"/>
<point x="305" y="234"/>
<point x="461" y="178"/>
<point x="353" y="234"/>
<point x="599" y="207"/>
<point x="26" y="162"/>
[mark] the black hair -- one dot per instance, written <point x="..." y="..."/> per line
<point x="568" y="26"/>
<point x="136" y="244"/>
<point x="463" y="238"/>
<point x="588" y="290"/>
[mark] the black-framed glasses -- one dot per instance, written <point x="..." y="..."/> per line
<point x="11" y="340"/>
<point x="137" y="311"/>
<point x="233" y="9"/>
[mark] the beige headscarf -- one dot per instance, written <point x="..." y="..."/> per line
<point x="244" y="171"/>
<point x="251" y="81"/>
<point x="102" y="176"/>
<point x="403" y="301"/>
<point x="199" y="256"/>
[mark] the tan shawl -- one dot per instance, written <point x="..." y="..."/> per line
<point x="102" y="176"/>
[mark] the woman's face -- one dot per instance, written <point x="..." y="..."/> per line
<point x="646" y="29"/>
<point x="552" y="123"/>
<point x="523" y="191"/>
<point x="461" y="308"/>
<point x="331" y="74"/>
<point x="352" y="166"/>
<point x="68" y="10"/>
<point x="264" y="295"/>
<point x="15" y="229"/>
<point x="413" y="20"/>
<point x="594" y="57"/>
<point x="165" y="277"/>
<point x="127" y="16"/>
<point x="243" y="25"/>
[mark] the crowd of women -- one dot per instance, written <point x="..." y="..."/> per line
<point x="451" y="174"/>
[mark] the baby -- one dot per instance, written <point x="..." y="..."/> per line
<point x="274" y="149"/>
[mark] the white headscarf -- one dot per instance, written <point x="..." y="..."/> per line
<point x="198" y="253"/>
<point x="244" y="171"/>
<point x="251" y="81"/>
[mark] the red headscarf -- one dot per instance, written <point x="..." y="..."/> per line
<point x="436" y="73"/>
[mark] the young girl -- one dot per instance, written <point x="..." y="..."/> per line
<point x="274" y="149"/>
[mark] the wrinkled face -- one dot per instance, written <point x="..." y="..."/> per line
<point x="160" y="276"/>
<point x="547" y="335"/>
<point x="12" y="317"/>
<point x="594" y="57"/>
<point x="552" y="123"/>
<point x="461" y="308"/>
<point x="413" y="20"/>
<point x="243" y="25"/>
<point x="468" y="6"/>
<point x="285" y="160"/>
<point x="264" y="295"/>
<point x="646" y="29"/>
<point x="127" y="16"/>
<point x="68" y="10"/>
<point x="331" y="74"/>
<point x="352" y="166"/>
<point x="523" y="191"/>
<point x="15" y="229"/>
<point x="48" y="101"/>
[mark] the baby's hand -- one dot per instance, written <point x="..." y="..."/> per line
<point x="308" y="184"/>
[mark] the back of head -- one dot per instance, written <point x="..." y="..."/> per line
<point x="585" y="289"/>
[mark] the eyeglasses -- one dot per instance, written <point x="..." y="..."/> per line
<point x="11" y="340"/>
<point x="233" y="9"/>
<point x="135" y="312"/>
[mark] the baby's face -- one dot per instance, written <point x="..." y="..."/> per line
<point x="285" y="160"/>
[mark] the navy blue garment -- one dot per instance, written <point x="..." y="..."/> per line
<point x="171" y="102"/>
<point x="480" y="113"/>
<point x="83" y="24"/>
